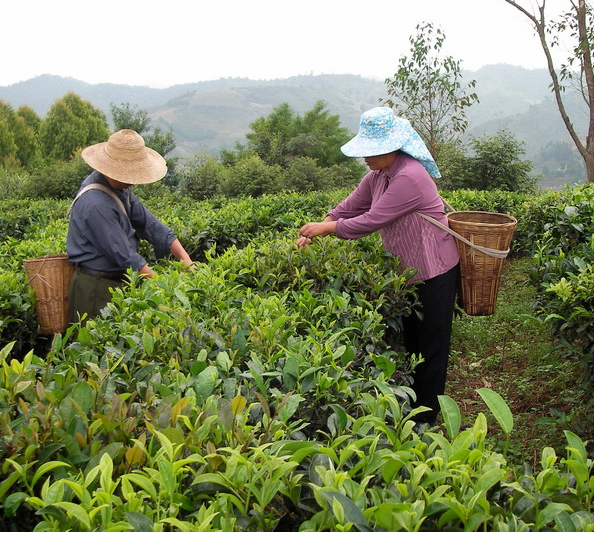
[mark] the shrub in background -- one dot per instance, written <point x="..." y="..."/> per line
<point x="303" y="174"/>
<point x="495" y="164"/>
<point x="251" y="176"/>
<point x="57" y="179"/>
<point x="12" y="183"/>
<point x="200" y="177"/>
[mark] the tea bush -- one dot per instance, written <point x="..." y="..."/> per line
<point x="262" y="390"/>
<point x="563" y="270"/>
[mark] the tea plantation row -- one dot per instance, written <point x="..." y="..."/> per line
<point x="265" y="389"/>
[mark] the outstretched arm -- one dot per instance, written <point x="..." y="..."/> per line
<point x="180" y="253"/>
<point x="315" y="229"/>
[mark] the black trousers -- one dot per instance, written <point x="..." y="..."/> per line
<point x="429" y="335"/>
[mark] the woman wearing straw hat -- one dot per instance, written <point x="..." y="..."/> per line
<point x="107" y="221"/>
<point x="387" y="200"/>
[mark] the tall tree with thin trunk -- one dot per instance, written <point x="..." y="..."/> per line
<point x="427" y="90"/>
<point x="578" y="25"/>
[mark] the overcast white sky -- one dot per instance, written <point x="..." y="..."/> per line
<point x="165" y="42"/>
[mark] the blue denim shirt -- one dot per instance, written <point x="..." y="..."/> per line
<point x="103" y="238"/>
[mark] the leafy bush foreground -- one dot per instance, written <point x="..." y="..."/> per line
<point x="264" y="390"/>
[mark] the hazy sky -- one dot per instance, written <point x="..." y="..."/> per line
<point x="164" y="42"/>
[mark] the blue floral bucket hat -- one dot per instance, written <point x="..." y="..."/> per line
<point x="382" y="132"/>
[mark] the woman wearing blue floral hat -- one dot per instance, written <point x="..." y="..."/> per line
<point x="387" y="200"/>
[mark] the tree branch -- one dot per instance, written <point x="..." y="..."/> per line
<point x="540" y="26"/>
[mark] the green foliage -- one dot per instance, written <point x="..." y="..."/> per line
<point x="284" y="135"/>
<point x="563" y="269"/>
<point x="161" y="141"/>
<point x="19" y="217"/>
<point x="7" y="145"/>
<point x="127" y="117"/>
<point x="18" y="140"/>
<point x="200" y="177"/>
<point x="250" y="176"/>
<point x="303" y="174"/>
<point x="253" y="393"/>
<point x="30" y="117"/>
<point x="12" y="183"/>
<point x="57" y="179"/>
<point x="495" y="164"/>
<point x="427" y="90"/>
<point x="70" y="125"/>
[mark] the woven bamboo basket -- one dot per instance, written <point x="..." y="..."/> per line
<point x="480" y="273"/>
<point x="49" y="277"/>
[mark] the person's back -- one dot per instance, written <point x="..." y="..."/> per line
<point x="107" y="221"/>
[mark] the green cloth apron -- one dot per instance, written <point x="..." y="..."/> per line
<point x="89" y="294"/>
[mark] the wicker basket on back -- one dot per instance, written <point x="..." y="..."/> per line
<point x="480" y="270"/>
<point x="49" y="277"/>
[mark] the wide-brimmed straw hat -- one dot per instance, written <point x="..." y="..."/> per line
<point x="382" y="132"/>
<point x="125" y="158"/>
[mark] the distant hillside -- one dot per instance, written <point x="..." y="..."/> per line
<point x="506" y="90"/>
<point x="210" y="115"/>
<point x="219" y="118"/>
<point x="41" y="92"/>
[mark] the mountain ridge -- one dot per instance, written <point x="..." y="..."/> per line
<point x="214" y="114"/>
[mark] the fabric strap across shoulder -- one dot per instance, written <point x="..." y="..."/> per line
<point x="102" y="188"/>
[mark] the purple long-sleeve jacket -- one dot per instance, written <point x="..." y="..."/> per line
<point x="386" y="201"/>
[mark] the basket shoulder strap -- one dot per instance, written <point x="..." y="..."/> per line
<point x="491" y="252"/>
<point x="99" y="187"/>
<point x="448" y="206"/>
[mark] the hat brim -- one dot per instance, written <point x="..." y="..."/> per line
<point x="360" y="146"/>
<point x="149" y="168"/>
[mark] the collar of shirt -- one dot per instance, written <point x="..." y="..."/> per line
<point x="124" y="194"/>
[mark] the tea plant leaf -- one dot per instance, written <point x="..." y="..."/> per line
<point x="143" y="482"/>
<point x="6" y="350"/>
<point x="166" y="444"/>
<point x="563" y="522"/>
<point x="134" y="455"/>
<point x="167" y="478"/>
<point x="205" y="382"/>
<point x="462" y="442"/>
<point x="181" y="296"/>
<point x="576" y="444"/>
<point x="177" y="409"/>
<point x="549" y="512"/>
<point x="82" y="394"/>
<point x="499" y="408"/>
<point x="341" y="416"/>
<point x="106" y="467"/>
<point x="238" y="404"/>
<point x="288" y="406"/>
<point x="181" y="525"/>
<point x="112" y="449"/>
<point x="77" y="512"/>
<point x="43" y="469"/>
<point x="451" y="415"/>
<point x="148" y="342"/>
<point x="139" y="521"/>
<point x="348" y="509"/>
<point x="224" y="361"/>
<point x="22" y="386"/>
<point x="488" y="479"/>
<point x="320" y="459"/>
<point x="579" y="470"/>
<point x="264" y="404"/>
<point x="13" y="502"/>
<point x="443" y="443"/>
